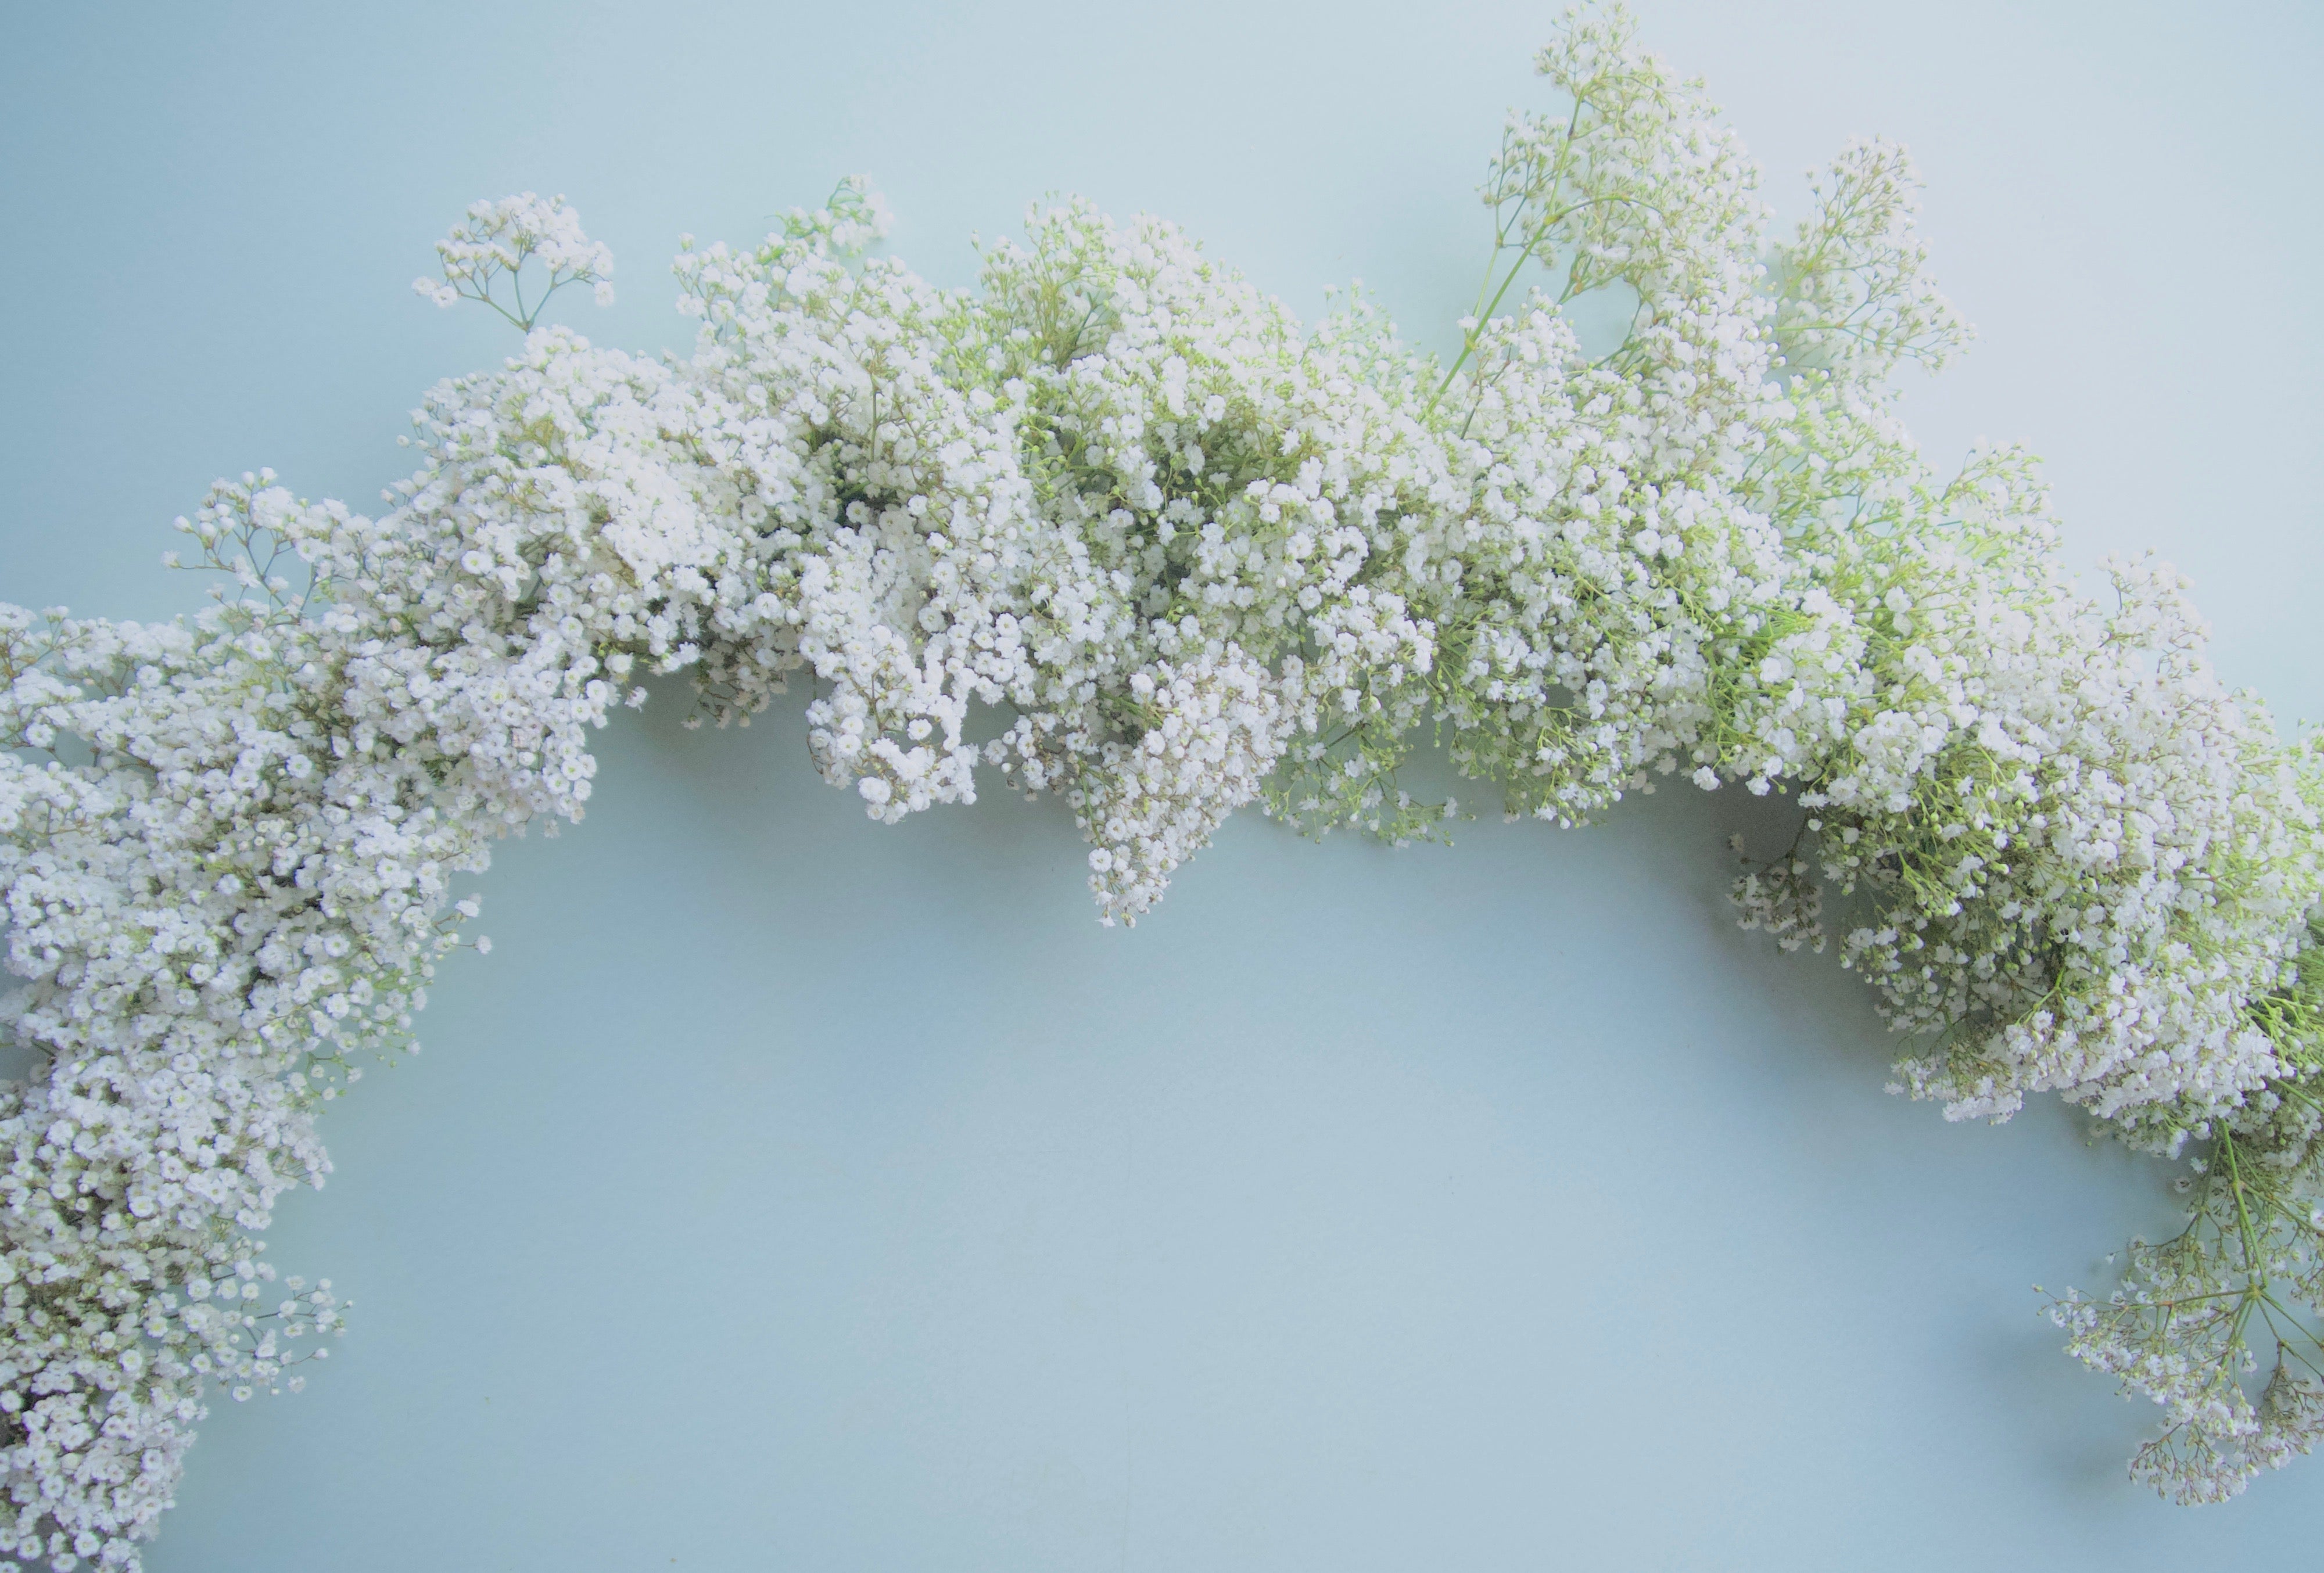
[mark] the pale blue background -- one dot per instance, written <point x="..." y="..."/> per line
<point x="791" y="1193"/>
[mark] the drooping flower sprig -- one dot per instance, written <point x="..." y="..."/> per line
<point x="1114" y="526"/>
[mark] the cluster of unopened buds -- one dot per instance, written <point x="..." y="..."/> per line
<point x="1114" y="526"/>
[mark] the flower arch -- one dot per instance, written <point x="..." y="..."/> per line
<point x="1115" y="527"/>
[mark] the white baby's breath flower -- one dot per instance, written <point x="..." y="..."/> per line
<point x="1119" y="528"/>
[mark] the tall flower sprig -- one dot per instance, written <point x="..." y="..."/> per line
<point x="496" y="243"/>
<point x="1114" y="526"/>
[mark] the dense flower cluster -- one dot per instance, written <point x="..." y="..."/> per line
<point x="1116" y="527"/>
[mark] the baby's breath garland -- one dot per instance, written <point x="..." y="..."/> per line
<point x="1117" y="528"/>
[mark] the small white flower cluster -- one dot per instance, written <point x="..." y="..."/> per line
<point x="1782" y="899"/>
<point x="1116" y="526"/>
<point x="2179" y="1328"/>
<point x="499" y="238"/>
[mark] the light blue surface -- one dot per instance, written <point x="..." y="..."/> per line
<point x="791" y="1193"/>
